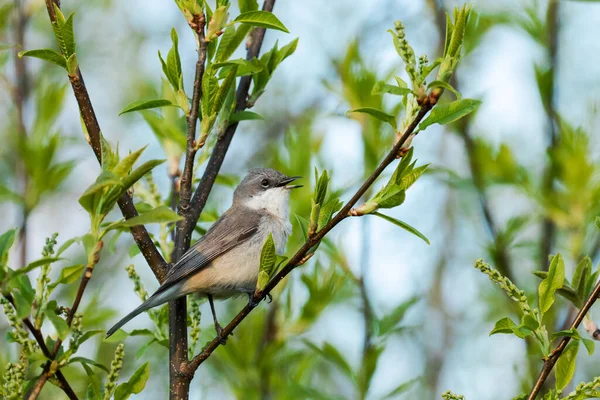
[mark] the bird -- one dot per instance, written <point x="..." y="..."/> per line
<point x="225" y="262"/>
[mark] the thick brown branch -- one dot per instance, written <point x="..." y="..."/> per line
<point x="551" y="360"/>
<point x="139" y="233"/>
<point x="179" y="383"/>
<point x="304" y="250"/>
<point x="39" y="338"/>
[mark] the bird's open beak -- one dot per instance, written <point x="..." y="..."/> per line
<point x="285" y="182"/>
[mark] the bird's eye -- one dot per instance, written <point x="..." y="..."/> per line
<point x="264" y="183"/>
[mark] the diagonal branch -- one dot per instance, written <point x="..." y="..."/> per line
<point x="155" y="260"/>
<point x="304" y="252"/>
<point x="39" y="338"/>
<point x="551" y="360"/>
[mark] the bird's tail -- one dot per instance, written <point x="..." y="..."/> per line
<point x="156" y="299"/>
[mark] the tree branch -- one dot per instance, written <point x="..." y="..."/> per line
<point x="224" y="138"/>
<point x="39" y="338"/>
<point x="303" y="253"/>
<point x="178" y="341"/>
<point x="153" y="257"/>
<point x="551" y="360"/>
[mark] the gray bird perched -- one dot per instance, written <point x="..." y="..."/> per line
<point x="225" y="261"/>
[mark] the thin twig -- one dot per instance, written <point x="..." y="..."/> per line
<point x="147" y="247"/>
<point x="551" y="360"/>
<point x="183" y="234"/>
<point x="193" y="365"/>
<point x="39" y="338"/>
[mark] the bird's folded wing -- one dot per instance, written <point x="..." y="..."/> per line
<point x="234" y="227"/>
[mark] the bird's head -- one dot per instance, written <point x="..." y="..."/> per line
<point x="265" y="189"/>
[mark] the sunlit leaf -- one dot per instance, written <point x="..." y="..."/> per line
<point x="446" y="113"/>
<point x="263" y="19"/>
<point x="146" y="105"/>
<point x="403" y="225"/>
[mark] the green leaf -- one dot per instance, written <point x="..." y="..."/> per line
<point x="245" y="116"/>
<point x="68" y="275"/>
<point x="244" y="67"/>
<point x="303" y="222"/>
<point x="35" y="264"/>
<point x="135" y="384"/>
<point x="327" y="211"/>
<point x="581" y="276"/>
<point x="390" y="321"/>
<point x="60" y="324"/>
<point x="565" y="366"/>
<point x="264" y="19"/>
<point x="268" y="256"/>
<point x="247" y="5"/>
<point x="46" y="55"/>
<point x="322" y="183"/>
<point x="446" y="113"/>
<point x="445" y="85"/>
<point x="390" y="197"/>
<point x="7" y="239"/>
<point x="382" y="87"/>
<point x="159" y="215"/>
<point x="87" y="361"/>
<point x="504" y="325"/>
<point x="554" y="281"/>
<point x="572" y="333"/>
<point x="410" y="178"/>
<point x="403" y="225"/>
<point x="88" y="335"/>
<point x="331" y="354"/>
<point x="380" y="115"/>
<point x="402" y="388"/>
<point x="230" y="41"/>
<point x="23" y="294"/>
<point x="139" y="173"/>
<point x="146" y="105"/>
<point x="589" y="345"/>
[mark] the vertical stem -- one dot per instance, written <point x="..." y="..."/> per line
<point x="548" y="227"/>
<point x="20" y="94"/>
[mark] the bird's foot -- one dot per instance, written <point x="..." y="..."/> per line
<point x="269" y="298"/>
<point x="220" y="336"/>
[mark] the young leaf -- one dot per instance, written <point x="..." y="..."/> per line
<point x="135" y="384"/>
<point x="263" y="19"/>
<point x="382" y="87"/>
<point x="244" y="67"/>
<point x="380" y="115"/>
<point x="245" y="116"/>
<point x="554" y="281"/>
<point x="403" y="225"/>
<point x="87" y="361"/>
<point x="230" y="41"/>
<point x="7" y="239"/>
<point x="161" y="214"/>
<point x="445" y="85"/>
<point x="505" y="325"/>
<point x="46" y="55"/>
<point x="146" y="105"/>
<point x="68" y="275"/>
<point x="446" y="113"/>
<point x="565" y="366"/>
<point x="268" y="255"/>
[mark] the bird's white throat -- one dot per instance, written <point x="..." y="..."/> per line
<point x="275" y="201"/>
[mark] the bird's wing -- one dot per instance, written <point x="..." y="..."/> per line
<point x="234" y="227"/>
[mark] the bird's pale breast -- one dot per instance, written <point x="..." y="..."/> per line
<point x="236" y="271"/>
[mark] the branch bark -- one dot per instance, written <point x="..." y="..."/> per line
<point x="304" y="252"/>
<point x="179" y="383"/>
<point x="153" y="257"/>
<point x="551" y="360"/>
